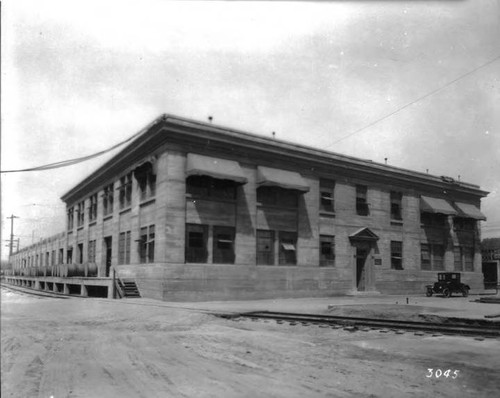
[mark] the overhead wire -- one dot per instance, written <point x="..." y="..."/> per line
<point x="70" y="162"/>
<point x="415" y="101"/>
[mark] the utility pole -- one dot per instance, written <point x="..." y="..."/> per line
<point x="12" y="216"/>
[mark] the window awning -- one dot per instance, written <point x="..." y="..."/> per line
<point x="467" y="210"/>
<point x="436" y="205"/>
<point x="223" y="169"/>
<point x="267" y="176"/>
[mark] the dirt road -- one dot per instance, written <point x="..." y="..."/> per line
<point x="104" y="348"/>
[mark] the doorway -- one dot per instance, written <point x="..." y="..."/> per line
<point x="490" y="275"/>
<point x="109" y="252"/>
<point x="361" y="256"/>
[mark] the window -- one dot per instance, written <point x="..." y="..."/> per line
<point x="36" y="260"/>
<point x="267" y="196"/>
<point x="69" y="255"/>
<point x="396" y="205"/>
<point x="53" y="258"/>
<point x="326" y="196"/>
<point x="433" y="220"/>
<point x="432" y="257"/>
<point x="93" y="208"/>
<point x="70" y="218"/>
<point x="276" y="196"/>
<point x="80" y="214"/>
<point x="457" y="258"/>
<point x="468" y="259"/>
<point x="108" y="199"/>
<point x="47" y="259"/>
<point x="61" y="256"/>
<point x="326" y="251"/>
<point x="147" y="245"/>
<point x="146" y="180"/>
<point x="223" y="245"/>
<point x="125" y="194"/>
<point x="265" y="247"/>
<point x="196" y="243"/>
<point x="210" y="188"/>
<point x="438" y="257"/>
<point x="425" y="253"/>
<point x="287" y="248"/>
<point x="124" y="248"/>
<point x="464" y="224"/>
<point x="91" y="251"/>
<point x="361" y="200"/>
<point x="396" y="255"/>
<point x="80" y="253"/>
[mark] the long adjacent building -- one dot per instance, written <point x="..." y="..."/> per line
<point x="195" y="211"/>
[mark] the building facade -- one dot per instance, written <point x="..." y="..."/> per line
<point x="194" y="211"/>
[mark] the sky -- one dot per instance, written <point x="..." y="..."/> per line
<point x="79" y="77"/>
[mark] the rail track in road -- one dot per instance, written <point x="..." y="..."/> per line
<point x="485" y="329"/>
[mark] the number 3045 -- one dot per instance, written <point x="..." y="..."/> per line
<point x="437" y="373"/>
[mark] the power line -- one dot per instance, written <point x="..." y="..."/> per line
<point x="70" y="162"/>
<point x="416" y="100"/>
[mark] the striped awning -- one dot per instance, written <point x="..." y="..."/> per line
<point x="267" y="176"/>
<point x="223" y="169"/>
<point x="436" y="205"/>
<point x="467" y="210"/>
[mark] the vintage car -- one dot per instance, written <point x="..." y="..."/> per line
<point x="448" y="283"/>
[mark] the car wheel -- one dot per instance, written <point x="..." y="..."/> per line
<point x="465" y="292"/>
<point x="447" y="293"/>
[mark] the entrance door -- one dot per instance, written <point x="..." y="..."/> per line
<point x="109" y="252"/>
<point x="361" y="255"/>
<point x="490" y="275"/>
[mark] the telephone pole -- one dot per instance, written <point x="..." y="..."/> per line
<point x="11" y="246"/>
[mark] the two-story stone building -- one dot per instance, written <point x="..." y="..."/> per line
<point x="195" y="211"/>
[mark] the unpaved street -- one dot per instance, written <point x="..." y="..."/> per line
<point x="104" y="348"/>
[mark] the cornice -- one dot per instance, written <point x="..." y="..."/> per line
<point x="170" y="128"/>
